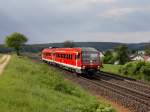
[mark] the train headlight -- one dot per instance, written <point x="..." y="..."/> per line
<point x="83" y="67"/>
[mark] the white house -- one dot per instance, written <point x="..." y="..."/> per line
<point x="141" y="52"/>
<point x="101" y="54"/>
<point x="137" y="58"/>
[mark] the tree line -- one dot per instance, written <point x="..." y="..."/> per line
<point x="121" y="53"/>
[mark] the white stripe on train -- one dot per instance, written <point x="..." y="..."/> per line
<point x="67" y="65"/>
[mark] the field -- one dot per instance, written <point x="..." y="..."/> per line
<point x="1" y="55"/>
<point x="28" y="86"/>
<point x="111" y="68"/>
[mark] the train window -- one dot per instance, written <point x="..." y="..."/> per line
<point x="62" y="55"/>
<point x="78" y="56"/>
<point x="71" y="56"/>
<point x="67" y="56"/>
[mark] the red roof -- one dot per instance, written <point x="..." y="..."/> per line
<point x="146" y="58"/>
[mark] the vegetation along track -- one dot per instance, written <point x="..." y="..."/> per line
<point x="124" y="91"/>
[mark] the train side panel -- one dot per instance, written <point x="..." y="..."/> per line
<point x="69" y="58"/>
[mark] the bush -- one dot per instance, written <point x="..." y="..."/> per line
<point x="139" y="70"/>
<point x="108" y="59"/>
<point x="68" y="88"/>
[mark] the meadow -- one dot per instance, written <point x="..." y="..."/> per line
<point x="111" y="68"/>
<point x="29" y="86"/>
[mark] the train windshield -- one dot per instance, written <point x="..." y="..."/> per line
<point x="90" y="55"/>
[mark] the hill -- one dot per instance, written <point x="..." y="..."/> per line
<point x="27" y="86"/>
<point x="97" y="45"/>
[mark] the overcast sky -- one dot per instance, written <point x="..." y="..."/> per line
<point x="46" y="21"/>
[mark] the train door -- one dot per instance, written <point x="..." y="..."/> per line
<point x="78" y="59"/>
<point x="53" y="55"/>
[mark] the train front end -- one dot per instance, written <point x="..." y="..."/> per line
<point x="91" y="62"/>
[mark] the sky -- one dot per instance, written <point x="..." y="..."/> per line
<point x="47" y="21"/>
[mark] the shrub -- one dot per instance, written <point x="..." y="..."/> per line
<point x="67" y="88"/>
<point x="138" y="70"/>
<point x="108" y="59"/>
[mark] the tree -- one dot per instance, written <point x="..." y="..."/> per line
<point x="16" y="41"/>
<point x="147" y="49"/>
<point x="122" y="54"/>
<point x="108" y="58"/>
<point x="68" y="43"/>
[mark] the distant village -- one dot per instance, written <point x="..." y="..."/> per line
<point x="138" y="56"/>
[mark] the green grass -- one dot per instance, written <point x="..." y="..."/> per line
<point x="1" y="55"/>
<point x="111" y="68"/>
<point x="27" y="86"/>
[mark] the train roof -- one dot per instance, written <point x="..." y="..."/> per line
<point x="84" y="49"/>
<point x="89" y="49"/>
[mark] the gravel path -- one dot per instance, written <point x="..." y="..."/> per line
<point x="3" y="62"/>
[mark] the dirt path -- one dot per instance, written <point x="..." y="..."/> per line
<point x="3" y="62"/>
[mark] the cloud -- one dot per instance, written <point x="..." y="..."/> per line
<point x="124" y="11"/>
<point x="90" y="1"/>
<point x="58" y="20"/>
<point x="125" y="37"/>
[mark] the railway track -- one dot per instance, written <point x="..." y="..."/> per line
<point x="128" y="92"/>
<point x="126" y="82"/>
<point x="128" y="100"/>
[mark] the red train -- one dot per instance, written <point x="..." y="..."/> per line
<point x="79" y="60"/>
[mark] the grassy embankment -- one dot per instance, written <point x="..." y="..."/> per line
<point x="27" y="86"/>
